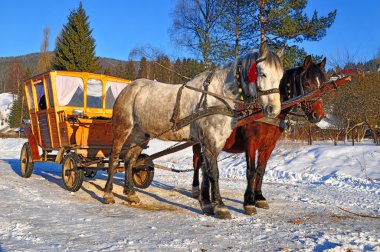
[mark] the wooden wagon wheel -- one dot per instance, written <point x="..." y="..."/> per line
<point x="26" y="162"/>
<point x="143" y="176"/>
<point x="72" y="175"/>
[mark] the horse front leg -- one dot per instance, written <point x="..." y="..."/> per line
<point x="262" y="161"/>
<point x="197" y="163"/>
<point x="249" y="197"/>
<point x="212" y="172"/>
<point x="129" y="162"/>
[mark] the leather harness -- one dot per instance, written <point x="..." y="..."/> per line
<point x="202" y="110"/>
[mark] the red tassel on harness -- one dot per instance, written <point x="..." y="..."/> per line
<point x="252" y="74"/>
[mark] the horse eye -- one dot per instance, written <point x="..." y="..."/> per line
<point x="263" y="75"/>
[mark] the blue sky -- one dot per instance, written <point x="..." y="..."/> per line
<point x="120" y="25"/>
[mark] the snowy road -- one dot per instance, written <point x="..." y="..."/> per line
<point x="37" y="214"/>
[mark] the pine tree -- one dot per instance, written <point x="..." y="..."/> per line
<point x="119" y="70"/>
<point x="235" y="29"/>
<point x="222" y="30"/>
<point x="283" y="22"/>
<point x="143" y="68"/>
<point x="14" y="118"/>
<point x="75" y="48"/>
<point x="130" y="70"/>
<point x="162" y="69"/>
<point x="177" y="72"/>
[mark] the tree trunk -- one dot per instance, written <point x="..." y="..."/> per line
<point x="310" y="139"/>
<point x="262" y="20"/>
<point x="374" y="132"/>
<point x="237" y="29"/>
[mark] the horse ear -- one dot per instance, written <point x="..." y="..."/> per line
<point x="263" y="50"/>
<point x="308" y="60"/>
<point x="322" y="64"/>
<point x="280" y="53"/>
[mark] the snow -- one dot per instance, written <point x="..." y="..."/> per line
<point x="325" y="123"/>
<point x="306" y="187"/>
<point x="6" y="100"/>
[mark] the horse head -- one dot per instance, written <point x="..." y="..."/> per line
<point x="303" y="79"/>
<point x="261" y="75"/>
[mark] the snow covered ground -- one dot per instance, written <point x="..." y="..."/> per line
<point x="306" y="186"/>
<point x="6" y="100"/>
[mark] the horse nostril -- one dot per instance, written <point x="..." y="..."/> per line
<point x="315" y="115"/>
<point x="270" y="109"/>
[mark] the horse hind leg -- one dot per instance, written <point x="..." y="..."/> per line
<point x="197" y="163"/>
<point x="117" y="145"/>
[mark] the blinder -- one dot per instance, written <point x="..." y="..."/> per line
<point x="298" y="89"/>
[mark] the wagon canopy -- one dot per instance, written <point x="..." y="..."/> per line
<point x="92" y="94"/>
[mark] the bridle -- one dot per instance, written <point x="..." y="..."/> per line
<point x="292" y="92"/>
<point x="252" y="78"/>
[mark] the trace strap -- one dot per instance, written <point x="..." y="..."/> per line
<point x="200" y="113"/>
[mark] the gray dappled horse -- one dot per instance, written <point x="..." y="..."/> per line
<point x="144" y="109"/>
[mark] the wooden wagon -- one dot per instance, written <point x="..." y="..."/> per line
<point x="70" y="124"/>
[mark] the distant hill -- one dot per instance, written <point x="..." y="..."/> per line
<point x="30" y="61"/>
<point x="26" y="61"/>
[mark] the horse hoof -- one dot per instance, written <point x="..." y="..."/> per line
<point x="108" y="199"/>
<point x="262" y="204"/>
<point x="133" y="199"/>
<point x="221" y="212"/>
<point x="132" y="203"/>
<point x="206" y="208"/>
<point x="195" y="192"/>
<point x="250" y="210"/>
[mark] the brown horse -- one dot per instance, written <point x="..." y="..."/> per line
<point x="261" y="136"/>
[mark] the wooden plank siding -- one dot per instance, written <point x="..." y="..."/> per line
<point x="53" y="129"/>
<point x="44" y="129"/>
